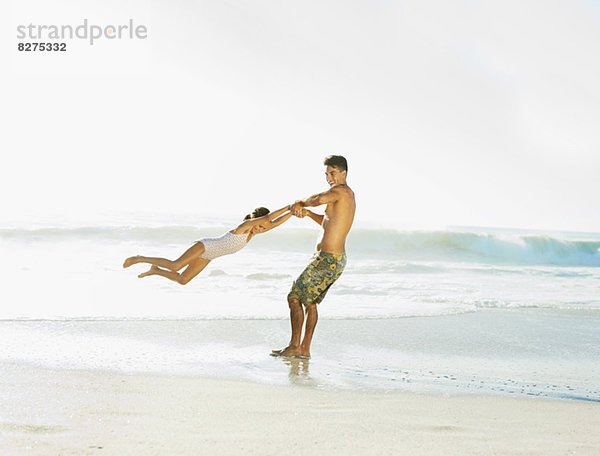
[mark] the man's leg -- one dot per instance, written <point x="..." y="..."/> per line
<point x="174" y="265"/>
<point x="296" y="321"/>
<point x="312" y="316"/>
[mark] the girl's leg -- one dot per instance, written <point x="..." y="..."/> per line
<point x="194" y="268"/>
<point x="174" y="265"/>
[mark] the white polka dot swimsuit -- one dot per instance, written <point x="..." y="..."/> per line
<point x="224" y="245"/>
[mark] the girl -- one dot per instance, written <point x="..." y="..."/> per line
<point x="205" y="250"/>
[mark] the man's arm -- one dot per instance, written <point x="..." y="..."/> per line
<point x="329" y="196"/>
<point x="316" y="217"/>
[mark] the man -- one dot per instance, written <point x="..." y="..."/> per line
<point x="330" y="259"/>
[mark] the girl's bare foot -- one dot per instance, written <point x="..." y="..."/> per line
<point x="131" y="260"/>
<point x="149" y="272"/>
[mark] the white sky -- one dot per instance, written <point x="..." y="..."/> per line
<point x="449" y="113"/>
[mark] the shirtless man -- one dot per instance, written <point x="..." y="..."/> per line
<point x="328" y="262"/>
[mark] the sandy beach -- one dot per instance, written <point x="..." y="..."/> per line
<point x="61" y="412"/>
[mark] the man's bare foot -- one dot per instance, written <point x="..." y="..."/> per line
<point x="287" y="351"/>
<point x="131" y="260"/>
<point x="304" y="353"/>
<point x="149" y="272"/>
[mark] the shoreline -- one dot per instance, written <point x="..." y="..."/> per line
<point x="506" y="352"/>
<point x="51" y="411"/>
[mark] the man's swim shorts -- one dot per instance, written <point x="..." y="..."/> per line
<point x="314" y="282"/>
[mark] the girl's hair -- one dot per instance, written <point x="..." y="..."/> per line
<point x="260" y="212"/>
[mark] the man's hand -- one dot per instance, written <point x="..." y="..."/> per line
<point x="297" y="208"/>
<point x="301" y="213"/>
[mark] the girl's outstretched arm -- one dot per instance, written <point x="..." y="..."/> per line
<point x="273" y="215"/>
<point x="275" y="223"/>
<point x="263" y="221"/>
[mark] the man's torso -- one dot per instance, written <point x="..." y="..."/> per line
<point x="337" y="222"/>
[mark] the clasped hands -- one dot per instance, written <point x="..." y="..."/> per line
<point x="298" y="209"/>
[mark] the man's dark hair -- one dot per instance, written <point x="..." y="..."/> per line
<point x="260" y="212"/>
<point x="248" y="217"/>
<point x="337" y="161"/>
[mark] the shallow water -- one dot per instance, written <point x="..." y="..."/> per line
<point x="450" y="312"/>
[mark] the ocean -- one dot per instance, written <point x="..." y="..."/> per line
<point x="450" y="311"/>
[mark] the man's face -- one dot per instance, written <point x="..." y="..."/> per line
<point x="334" y="175"/>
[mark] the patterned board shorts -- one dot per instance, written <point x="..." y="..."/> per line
<point x="314" y="282"/>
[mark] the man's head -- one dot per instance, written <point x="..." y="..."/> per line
<point x="337" y="168"/>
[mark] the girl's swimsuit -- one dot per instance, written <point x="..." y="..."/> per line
<point x="224" y="245"/>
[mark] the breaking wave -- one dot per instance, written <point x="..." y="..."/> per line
<point x="455" y="246"/>
<point x="476" y="247"/>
